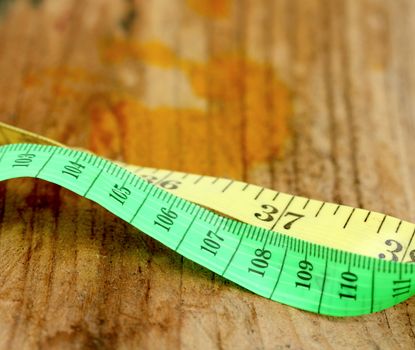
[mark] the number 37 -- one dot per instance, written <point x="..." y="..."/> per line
<point x="269" y="212"/>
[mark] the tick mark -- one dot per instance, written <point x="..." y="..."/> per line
<point x="399" y="226"/>
<point x="337" y="209"/>
<point x="259" y="193"/>
<point x="228" y="185"/>
<point x="283" y="212"/>
<point x="348" y="219"/>
<point x="198" y="179"/>
<point x="409" y="244"/>
<point x="381" y="224"/>
<point x="319" y="210"/>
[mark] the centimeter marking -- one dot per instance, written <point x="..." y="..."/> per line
<point x="313" y="221"/>
<point x="310" y="214"/>
<point x="282" y="268"/>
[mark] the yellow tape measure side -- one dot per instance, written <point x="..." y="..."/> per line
<point x="337" y="226"/>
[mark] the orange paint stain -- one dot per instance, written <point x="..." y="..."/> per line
<point x="250" y="93"/>
<point x="62" y="82"/>
<point x="31" y="79"/>
<point x="246" y="121"/>
<point x="214" y="9"/>
<point x="105" y="138"/>
<point x="152" y="134"/>
<point x="69" y="74"/>
<point x="119" y="50"/>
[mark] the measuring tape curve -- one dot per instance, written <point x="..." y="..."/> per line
<point x="279" y="267"/>
<point x="337" y="226"/>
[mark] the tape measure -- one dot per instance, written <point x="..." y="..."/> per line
<point x="290" y="249"/>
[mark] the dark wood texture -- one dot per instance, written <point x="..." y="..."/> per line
<point x="309" y="97"/>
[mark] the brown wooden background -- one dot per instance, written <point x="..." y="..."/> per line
<point x="310" y="97"/>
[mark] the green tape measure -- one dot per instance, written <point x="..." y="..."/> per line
<point x="279" y="267"/>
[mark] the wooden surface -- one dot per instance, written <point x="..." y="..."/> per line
<point x="311" y="97"/>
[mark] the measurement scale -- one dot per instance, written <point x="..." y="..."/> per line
<point x="317" y="256"/>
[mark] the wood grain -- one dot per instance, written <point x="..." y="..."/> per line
<point x="309" y="97"/>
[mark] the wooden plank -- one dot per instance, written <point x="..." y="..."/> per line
<point x="308" y="97"/>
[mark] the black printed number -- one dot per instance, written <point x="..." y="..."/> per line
<point x="304" y="274"/>
<point x="294" y="217"/>
<point x="401" y="287"/>
<point x="170" y="184"/>
<point x="396" y="248"/>
<point x="74" y="169"/>
<point x="260" y="263"/>
<point x="348" y="285"/>
<point x="149" y="178"/>
<point x="23" y="160"/>
<point x="211" y="242"/>
<point x="166" y="184"/>
<point x="165" y="219"/>
<point x="120" y="193"/>
<point x="268" y="213"/>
